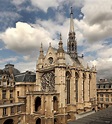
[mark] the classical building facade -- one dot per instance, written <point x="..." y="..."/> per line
<point x="104" y="93"/>
<point x="62" y="87"/>
<point x="13" y="88"/>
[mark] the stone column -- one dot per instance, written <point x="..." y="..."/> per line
<point x="38" y="81"/>
<point x="80" y="88"/>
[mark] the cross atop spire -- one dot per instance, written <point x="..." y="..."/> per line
<point x="71" y="21"/>
<point x="71" y="10"/>
<point x="60" y="37"/>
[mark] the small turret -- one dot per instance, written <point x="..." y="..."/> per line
<point x="60" y="49"/>
<point x="60" y="52"/>
<point x="41" y="57"/>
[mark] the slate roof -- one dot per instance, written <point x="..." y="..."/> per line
<point x="100" y="117"/>
<point x="14" y="70"/>
<point x="69" y="61"/>
<point x="27" y="76"/>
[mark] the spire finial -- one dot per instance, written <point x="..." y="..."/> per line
<point x="71" y="10"/>
<point x="60" y="37"/>
<point x="71" y="21"/>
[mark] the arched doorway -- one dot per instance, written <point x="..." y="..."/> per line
<point x="55" y="103"/>
<point x="9" y="121"/>
<point x="37" y="104"/>
<point x="38" y="121"/>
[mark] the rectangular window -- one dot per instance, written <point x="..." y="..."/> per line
<point x="3" y="94"/>
<point x="4" y="111"/>
<point x="19" y="108"/>
<point x="12" y="110"/>
<point x="11" y="93"/>
<point x="106" y="86"/>
<point x="101" y="97"/>
<point x="111" y="97"/>
<point x="107" y="97"/>
<point x="17" y="93"/>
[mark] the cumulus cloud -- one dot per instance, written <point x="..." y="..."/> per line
<point x="24" y="38"/>
<point x="97" y="21"/>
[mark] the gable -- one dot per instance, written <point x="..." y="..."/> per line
<point x="50" y="57"/>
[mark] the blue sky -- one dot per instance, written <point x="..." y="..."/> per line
<point x="24" y="24"/>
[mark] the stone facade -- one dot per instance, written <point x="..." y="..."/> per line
<point x="104" y="93"/>
<point x="64" y="86"/>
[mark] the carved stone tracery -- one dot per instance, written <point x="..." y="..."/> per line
<point x="48" y="81"/>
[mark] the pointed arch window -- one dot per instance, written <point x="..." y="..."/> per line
<point x="89" y="84"/>
<point x="72" y="46"/>
<point x="68" y="76"/>
<point x="76" y="83"/>
<point x="84" y="77"/>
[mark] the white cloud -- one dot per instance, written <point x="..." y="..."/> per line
<point x="25" y="66"/>
<point x="8" y="60"/>
<point x="97" y="21"/>
<point x="104" y="67"/>
<point x="45" y="4"/>
<point x="24" y="38"/>
<point x="18" y="2"/>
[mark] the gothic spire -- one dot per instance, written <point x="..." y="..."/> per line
<point x="71" y="21"/>
<point x="72" y="43"/>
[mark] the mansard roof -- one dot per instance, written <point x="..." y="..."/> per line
<point x="27" y="76"/>
<point x="79" y="62"/>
